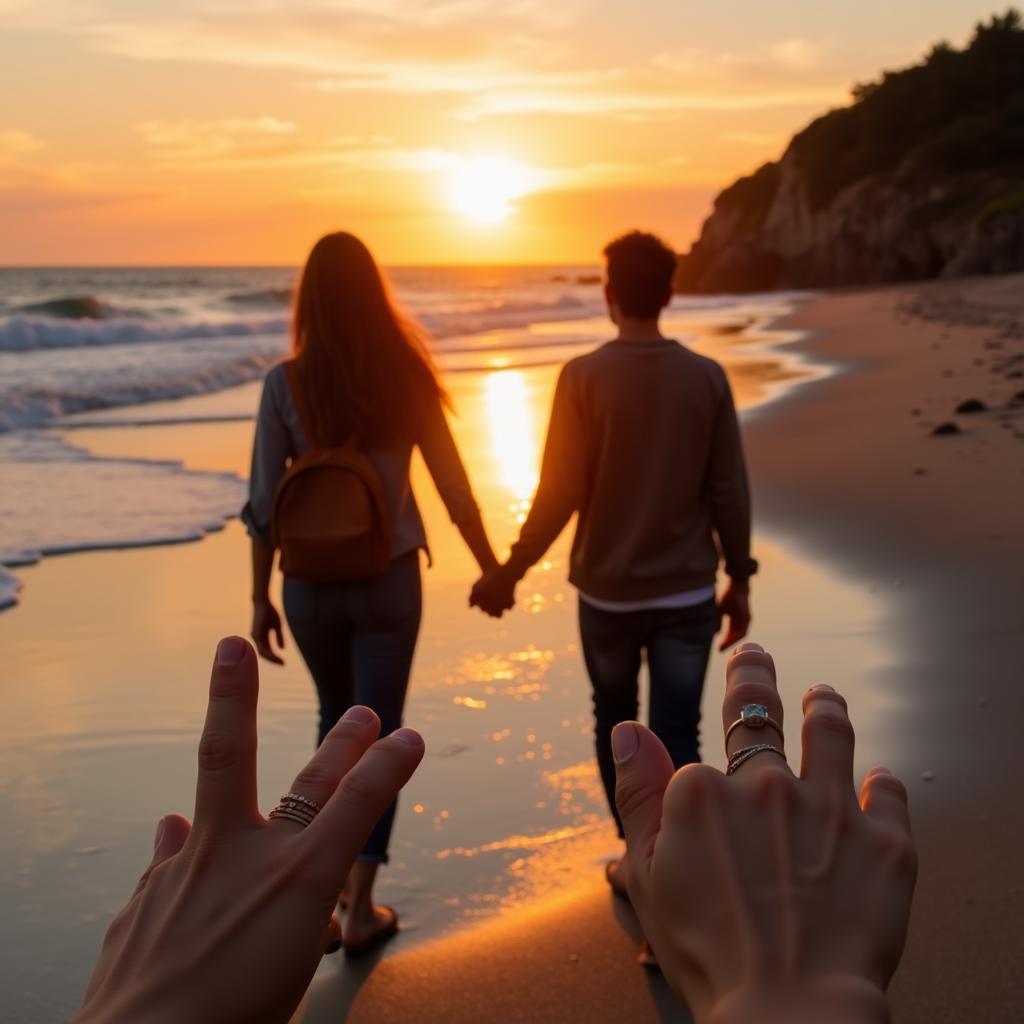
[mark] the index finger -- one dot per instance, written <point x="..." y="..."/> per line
<point x="226" y="780"/>
<point x="342" y="827"/>
<point x="750" y="685"/>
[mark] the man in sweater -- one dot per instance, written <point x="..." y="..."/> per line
<point x="644" y="446"/>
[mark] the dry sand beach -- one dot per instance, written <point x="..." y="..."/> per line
<point x="891" y="567"/>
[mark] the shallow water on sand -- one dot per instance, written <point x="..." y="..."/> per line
<point x="107" y="662"/>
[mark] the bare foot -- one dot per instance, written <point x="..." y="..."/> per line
<point x="365" y="928"/>
<point x="615" y="872"/>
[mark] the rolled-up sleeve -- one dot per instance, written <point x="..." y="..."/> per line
<point x="270" y="453"/>
<point x="445" y="465"/>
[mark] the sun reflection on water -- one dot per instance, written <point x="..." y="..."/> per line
<point x="513" y="439"/>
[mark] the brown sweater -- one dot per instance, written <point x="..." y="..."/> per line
<point x="644" y="445"/>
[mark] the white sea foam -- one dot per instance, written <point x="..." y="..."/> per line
<point x="25" y="333"/>
<point x="89" y="502"/>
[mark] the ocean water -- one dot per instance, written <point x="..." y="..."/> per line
<point x="93" y="347"/>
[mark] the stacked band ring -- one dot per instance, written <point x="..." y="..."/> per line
<point x="295" y="807"/>
<point x="744" y="754"/>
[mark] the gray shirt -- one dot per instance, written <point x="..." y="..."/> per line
<point x="280" y="438"/>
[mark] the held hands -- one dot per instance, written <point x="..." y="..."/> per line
<point x="734" y="604"/>
<point x="495" y="592"/>
<point x="766" y="895"/>
<point x="233" y="914"/>
<point x="266" y="621"/>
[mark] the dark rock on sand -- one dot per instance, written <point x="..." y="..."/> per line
<point x="971" y="405"/>
<point x="943" y="429"/>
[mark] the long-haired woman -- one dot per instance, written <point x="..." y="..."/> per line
<point x="364" y="374"/>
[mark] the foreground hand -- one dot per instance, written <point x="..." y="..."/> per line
<point x="494" y="593"/>
<point x="766" y="896"/>
<point x="267" y="621"/>
<point x="734" y="604"/>
<point x="233" y="915"/>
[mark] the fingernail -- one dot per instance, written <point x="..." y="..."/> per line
<point x="410" y="737"/>
<point x="358" y="714"/>
<point x="750" y="647"/>
<point x="625" y="740"/>
<point x="879" y="770"/>
<point x="160" y="826"/>
<point x="333" y="947"/>
<point x="231" y="650"/>
<point x="823" y="686"/>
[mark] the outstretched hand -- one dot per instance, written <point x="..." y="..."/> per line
<point x="495" y="592"/>
<point x="767" y="895"/>
<point x="233" y="914"/>
<point x="734" y="605"/>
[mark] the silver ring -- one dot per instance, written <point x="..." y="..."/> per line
<point x="744" y="754"/>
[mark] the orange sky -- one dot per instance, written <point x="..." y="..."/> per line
<point x="455" y="131"/>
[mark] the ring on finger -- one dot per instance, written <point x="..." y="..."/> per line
<point x="744" y="754"/>
<point x="296" y="807"/>
<point x="754" y="716"/>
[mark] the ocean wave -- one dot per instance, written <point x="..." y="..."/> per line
<point x="262" y="297"/>
<point x="27" y="333"/>
<point x="480" y="317"/>
<point x="92" y="502"/>
<point x="70" y="307"/>
<point x="27" y="406"/>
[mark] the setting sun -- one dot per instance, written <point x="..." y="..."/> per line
<point x="484" y="188"/>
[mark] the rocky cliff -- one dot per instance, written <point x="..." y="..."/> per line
<point x="921" y="176"/>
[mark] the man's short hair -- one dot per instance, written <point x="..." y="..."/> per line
<point x="640" y="271"/>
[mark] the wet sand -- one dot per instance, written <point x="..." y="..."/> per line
<point x="852" y="469"/>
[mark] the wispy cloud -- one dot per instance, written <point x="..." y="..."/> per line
<point x="186" y="138"/>
<point x="15" y="144"/>
<point x="623" y="103"/>
<point x="508" y="58"/>
<point x="761" y="140"/>
<point x="797" y="54"/>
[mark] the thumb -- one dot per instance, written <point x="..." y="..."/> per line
<point x="171" y="832"/>
<point x="643" y="769"/>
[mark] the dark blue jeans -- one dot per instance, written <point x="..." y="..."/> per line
<point x="358" y="640"/>
<point x="678" y="645"/>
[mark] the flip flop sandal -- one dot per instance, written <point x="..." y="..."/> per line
<point x="377" y="938"/>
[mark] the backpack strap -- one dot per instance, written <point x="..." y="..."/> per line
<point x="291" y="368"/>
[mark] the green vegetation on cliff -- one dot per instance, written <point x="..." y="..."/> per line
<point x="917" y="151"/>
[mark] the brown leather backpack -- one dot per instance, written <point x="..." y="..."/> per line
<point x="330" y="515"/>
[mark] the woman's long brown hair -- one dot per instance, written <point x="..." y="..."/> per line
<point x="365" y="368"/>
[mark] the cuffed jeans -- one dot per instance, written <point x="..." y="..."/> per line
<point x="678" y="645"/>
<point x="358" y="640"/>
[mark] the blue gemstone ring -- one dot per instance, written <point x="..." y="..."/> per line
<point x="754" y="716"/>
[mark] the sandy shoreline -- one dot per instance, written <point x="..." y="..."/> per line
<point x="920" y="637"/>
<point x="836" y="469"/>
